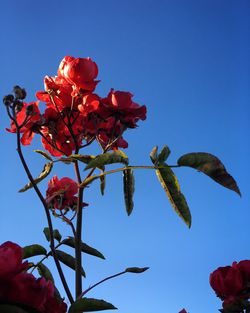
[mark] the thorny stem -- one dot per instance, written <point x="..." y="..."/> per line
<point x="100" y="282"/>
<point x="40" y="196"/>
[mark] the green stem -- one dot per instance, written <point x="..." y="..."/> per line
<point x="89" y="178"/>
<point x="40" y="196"/>
<point x="45" y="257"/>
<point x="100" y="282"/>
<point x="78" y="236"/>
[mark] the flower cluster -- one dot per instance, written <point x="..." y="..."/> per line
<point x="75" y="116"/>
<point x="21" y="288"/>
<point x="232" y="285"/>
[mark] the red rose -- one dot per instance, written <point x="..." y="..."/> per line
<point x="61" y="193"/>
<point x="226" y="281"/>
<point x="80" y="72"/>
<point x="120" y="103"/>
<point x="90" y="104"/>
<point x="11" y="264"/>
<point x="59" y="89"/>
<point x="244" y="268"/>
<point x="26" y="289"/>
<point x="30" y="121"/>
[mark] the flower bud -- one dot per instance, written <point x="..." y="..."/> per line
<point x="19" y="92"/>
<point x="29" y="110"/>
<point x="8" y="100"/>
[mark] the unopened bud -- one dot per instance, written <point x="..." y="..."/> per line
<point x="8" y="100"/>
<point x="29" y="110"/>
<point x="19" y="92"/>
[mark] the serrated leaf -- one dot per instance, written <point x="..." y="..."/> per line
<point x="136" y="270"/>
<point x="117" y="156"/>
<point x="163" y="155"/>
<point x="80" y="157"/>
<point x="44" y="272"/>
<point x="153" y="154"/>
<point x="33" y="250"/>
<point x="68" y="260"/>
<point x="44" y="154"/>
<point x="128" y="189"/>
<point x="171" y="186"/>
<point x="211" y="166"/>
<point x="90" y="305"/>
<point x="8" y="308"/>
<point x="84" y="247"/>
<point x="45" y="172"/>
<point x="56" y="234"/>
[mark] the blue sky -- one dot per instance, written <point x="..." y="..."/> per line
<point x="188" y="62"/>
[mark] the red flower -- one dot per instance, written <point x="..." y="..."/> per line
<point x="90" y="104"/>
<point x="26" y="289"/>
<point x="244" y="268"/>
<point x="11" y="256"/>
<point x="61" y="193"/>
<point x="121" y="105"/>
<point x="29" y="121"/>
<point x="39" y="294"/>
<point x="79" y="72"/>
<point x="58" y="89"/>
<point x="19" y="287"/>
<point x="227" y="282"/>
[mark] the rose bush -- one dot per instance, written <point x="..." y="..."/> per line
<point x="75" y="116"/>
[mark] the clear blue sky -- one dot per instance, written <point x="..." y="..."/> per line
<point x="188" y="61"/>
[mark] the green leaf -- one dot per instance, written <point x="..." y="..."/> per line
<point x="45" y="272"/>
<point x="136" y="270"/>
<point x="171" y="186"/>
<point x="46" y="233"/>
<point x="78" y="157"/>
<point x="56" y="234"/>
<point x="153" y="154"/>
<point x="33" y="250"/>
<point x="128" y="189"/>
<point x="68" y="260"/>
<point x="8" y="308"/>
<point x="211" y="166"/>
<point x="44" y="154"/>
<point x="84" y="247"/>
<point x="117" y="156"/>
<point x="46" y="170"/>
<point x="90" y="305"/>
<point x="163" y="155"/>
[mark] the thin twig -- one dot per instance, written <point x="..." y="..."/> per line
<point x="52" y="242"/>
<point x="100" y="282"/>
